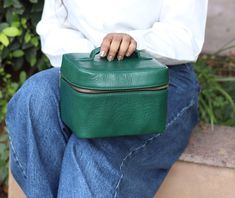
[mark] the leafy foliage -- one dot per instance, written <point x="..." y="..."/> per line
<point x="19" y="44"/>
<point x="8" y="88"/>
<point x="4" y="158"/>
<point x="216" y="104"/>
<point x="20" y="54"/>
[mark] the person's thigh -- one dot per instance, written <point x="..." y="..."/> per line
<point x="132" y="166"/>
<point x="37" y="135"/>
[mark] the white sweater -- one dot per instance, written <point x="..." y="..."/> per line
<point x="171" y="30"/>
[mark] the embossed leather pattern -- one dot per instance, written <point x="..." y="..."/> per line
<point x="124" y="110"/>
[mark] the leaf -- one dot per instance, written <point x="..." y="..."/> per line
<point x="33" y="61"/>
<point x="225" y="79"/>
<point x="4" y="40"/>
<point x="7" y="3"/>
<point x="23" y="77"/>
<point x="16" y="24"/>
<point x="227" y="96"/>
<point x="11" y="31"/>
<point x="33" y="1"/>
<point x="10" y="12"/>
<point x="3" y="26"/>
<point x="27" y="37"/>
<point x="17" y="4"/>
<point x="15" y="17"/>
<point x="18" y="53"/>
<point x="24" y="22"/>
<point x="35" y="41"/>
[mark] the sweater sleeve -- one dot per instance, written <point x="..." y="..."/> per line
<point x="56" y="35"/>
<point x="178" y="35"/>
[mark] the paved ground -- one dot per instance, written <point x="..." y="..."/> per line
<point x="213" y="147"/>
<point x="220" y="26"/>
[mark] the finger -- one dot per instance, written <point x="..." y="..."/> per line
<point x="105" y="45"/>
<point x="114" y="47"/>
<point x="126" y="40"/>
<point x="132" y="47"/>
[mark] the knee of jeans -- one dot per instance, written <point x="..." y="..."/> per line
<point x="42" y="85"/>
<point x="35" y="94"/>
<point x="33" y="100"/>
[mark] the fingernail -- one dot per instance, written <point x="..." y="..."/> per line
<point x="102" y="53"/>
<point x="110" y="58"/>
<point x="128" y="54"/>
<point x="119" y="58"/>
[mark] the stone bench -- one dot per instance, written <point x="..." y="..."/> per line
<point x="205" y="169"/>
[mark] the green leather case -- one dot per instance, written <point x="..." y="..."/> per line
<point x="99" y="98"/>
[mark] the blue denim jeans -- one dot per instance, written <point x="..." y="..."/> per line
<point x="48" y="161"/>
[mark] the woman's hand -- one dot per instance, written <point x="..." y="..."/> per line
<point x="117" y="45"/>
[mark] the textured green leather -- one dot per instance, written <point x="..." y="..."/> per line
<point x="119" y="113"/>
<point x="98" y="73"/>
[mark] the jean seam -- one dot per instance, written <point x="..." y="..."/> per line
<point x="146" y="142"/>
<point x="16" y="158"/>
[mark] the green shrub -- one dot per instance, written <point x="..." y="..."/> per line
<point x="216" y="102"/>
<point x="4" y="158"/>
<point x="8" y="88"/>
<point x="20" y="54"/>
<point x="19" y="44"/>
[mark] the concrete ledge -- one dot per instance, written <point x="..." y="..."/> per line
<point x="213" y="147"/>
<point x="206" y="168"/>
<point x="190" y="180"/>
<point x="14" y="190"/>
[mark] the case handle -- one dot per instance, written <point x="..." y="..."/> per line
<point x="94" y="52"/>
<point x="137" y="54"/>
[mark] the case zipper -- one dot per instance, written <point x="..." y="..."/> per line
<point x="93" y="91"/>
